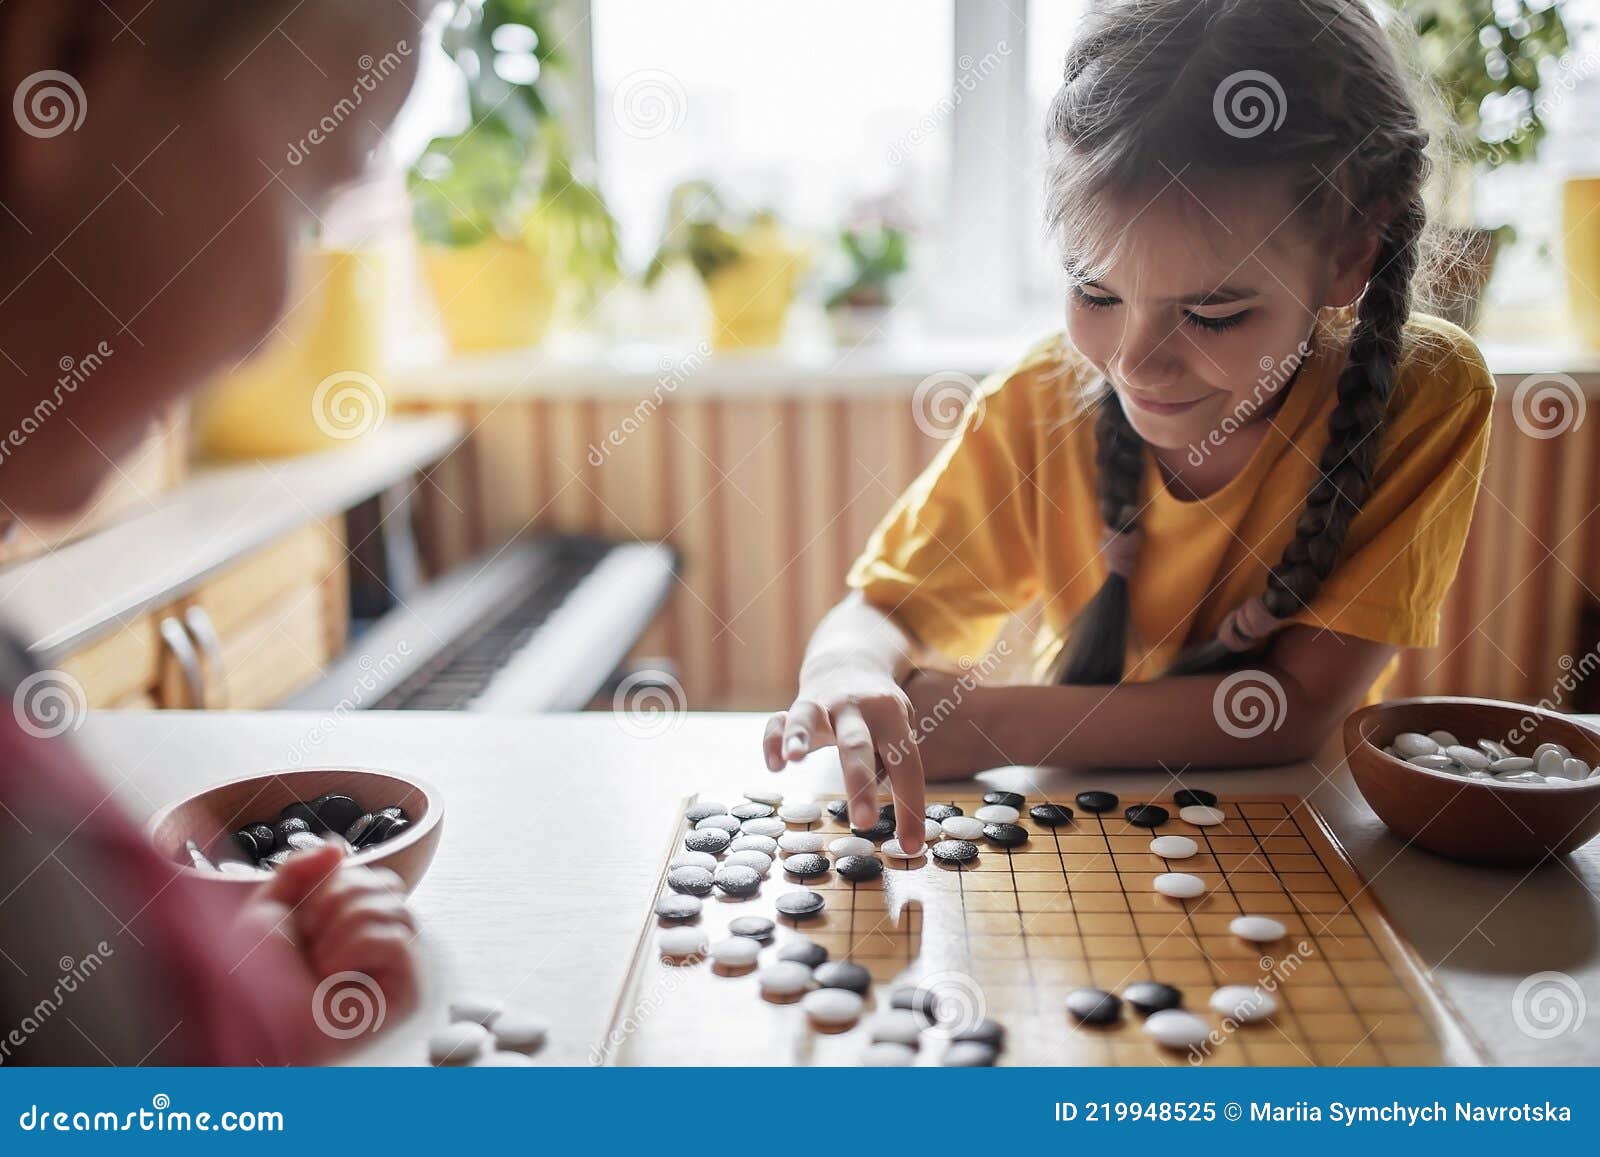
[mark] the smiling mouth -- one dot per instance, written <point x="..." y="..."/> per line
<point x="1156" y="406"/>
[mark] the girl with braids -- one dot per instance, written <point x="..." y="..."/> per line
<point x="1249" y="448"/>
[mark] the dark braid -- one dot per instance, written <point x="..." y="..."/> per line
<point x="1136" y="106"/>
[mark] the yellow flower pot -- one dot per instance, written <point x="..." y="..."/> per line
<point x="493" y="295"/>
<point x="313" y="384"/>
<point x="750" y="297"/>
<point x="1581" y="229"/>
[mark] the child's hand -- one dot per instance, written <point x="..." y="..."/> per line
<point x="347" y="919"/>
<point x="857" y="707"/>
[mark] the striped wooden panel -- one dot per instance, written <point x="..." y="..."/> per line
<point x="769" y="498"/>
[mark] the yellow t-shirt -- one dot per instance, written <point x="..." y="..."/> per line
<point x="1006" y="515"/>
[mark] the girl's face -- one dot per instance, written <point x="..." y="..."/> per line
<point x="1204" y="307"/>
<point x="154" y="239"/>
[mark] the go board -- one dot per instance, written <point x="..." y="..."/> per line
<point x="1010" y="934"/>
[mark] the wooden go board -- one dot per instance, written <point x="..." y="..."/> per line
<point x="1073" y="906"/>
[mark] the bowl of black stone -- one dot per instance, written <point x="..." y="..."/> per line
<point x="243" y="829"/>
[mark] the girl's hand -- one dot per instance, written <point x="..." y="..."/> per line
<point x="954" y="718"/>
<point x="857" y="707"/>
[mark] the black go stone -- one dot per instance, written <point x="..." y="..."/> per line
<point x="968" y="1054"/>
<point x="886" y="812"/>
<point x="712" y="840"/>
<point x="806" y="864"/>
<point x="380" y="829"/>
<point x="1093" y="1006"/>
<point x="246" y="839"/>
<point x="337" y="812"/>
<point x="357" y="832"/>
<point x="1146" y="815"/>
<point x="859" y="868"/>
<point x="394" y="812"/>
<point x="283" y="829"/>
<point x="839" y="809"/>
<point x="801" y="904"/>
<point x="755" y="927"/>
<point x="1005" y="799"/>
<point x="264" y="836"/>
<point x="302" y="811"/>
<point x="737" y="880"/>
<point x="751" y="811"/>
<point x="696" y="812"/>
<point x="678" y="907"/>
<point x="1148" y="996"/>
<point x="691" y="880"/>
<point x="922" y="1001"/>
<point x="939" y="812"/>
<point x="955" y="851"/>
<point x="985" y="1032"/>
<point x="807" y="952"/>
<point x="1051" y="815"/>
<point x="1005" y="835"/>
<point x="844" y="974"/>
<point x="1096" y="801"/>
<point x="1194" y="797"/>
<point x="881" y="830"/>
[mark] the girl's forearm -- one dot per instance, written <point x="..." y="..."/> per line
<point x="855" y="632"/>
<point x="1262" y="721"/>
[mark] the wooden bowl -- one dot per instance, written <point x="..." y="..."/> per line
<point x="1476" y="820"/>
<point x="211" y="817"/>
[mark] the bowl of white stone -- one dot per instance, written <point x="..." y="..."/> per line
<point x="1478" y="780"/>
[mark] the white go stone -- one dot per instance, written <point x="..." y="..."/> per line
<point x="1180" y="885"/>
<point x="851" y="846"/>
<point x="1494" y="749"/>
<point x="1409" y="743"/>
<point x="802" y="841"/>
<point x="479" y="1010"/>
<point x="1555" y="747"/>
<point x="1201" y="817"/>
<point x="1479" y="775"/>
<point x="996" y="813"/>
<point x="931" y="830"/>
<point x="460" y="1043"/>
<point x="1444" y="738"/>
<point x="962" y="827"/>
<point x="1174" y="847"/>
<point x="693" y="860"/>
<point x="898" y="1026"/>
<point x="1549" y="761"/>
<point x="801" y="812"/>
<point x="682" y="943"/>
<point x="1575" y="768"/>
<point x="770" y="798"/>
<point x="768" y="826"/>
<point x="750" y="858"/>
<point x="1468" y="757"/>
<point x="519" y="1034"/>
<point x="895" y="850"/>
<point x="1510" y="764"/>
<point x="1261" y="929"/>
<point x="736" y="952"/>
<point x="729" y="824"/>
<point x="754" y="844"/>
<point x="1176" y="1029"/>
<point x="784" y="978"/>
<point x="887" y="1055"/>
<point x="833" y="1006"/>
<point x="1520" y="777"/>
<point x="1433" y="761"/>
<point x="1243" y="1003"/>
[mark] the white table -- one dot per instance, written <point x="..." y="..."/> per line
<point x="546" y="912"/>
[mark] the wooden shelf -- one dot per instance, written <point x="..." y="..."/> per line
<point x="222" y="511"/>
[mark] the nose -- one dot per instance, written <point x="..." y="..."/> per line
<point x="1146" y="356"/>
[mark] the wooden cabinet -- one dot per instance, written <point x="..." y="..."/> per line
<point x="245" y="638"/>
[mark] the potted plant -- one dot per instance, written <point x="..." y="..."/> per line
<point x="872" y="249"/>
<point x="748" y="265"/>
<point x="505" y="219"/>
<point x="1487" y="59"/>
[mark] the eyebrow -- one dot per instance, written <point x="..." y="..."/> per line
<point x="1221" y="295"/>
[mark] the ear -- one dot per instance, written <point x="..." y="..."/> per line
<point x="1352" y="266"/>
<point x="56" y="59"/>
